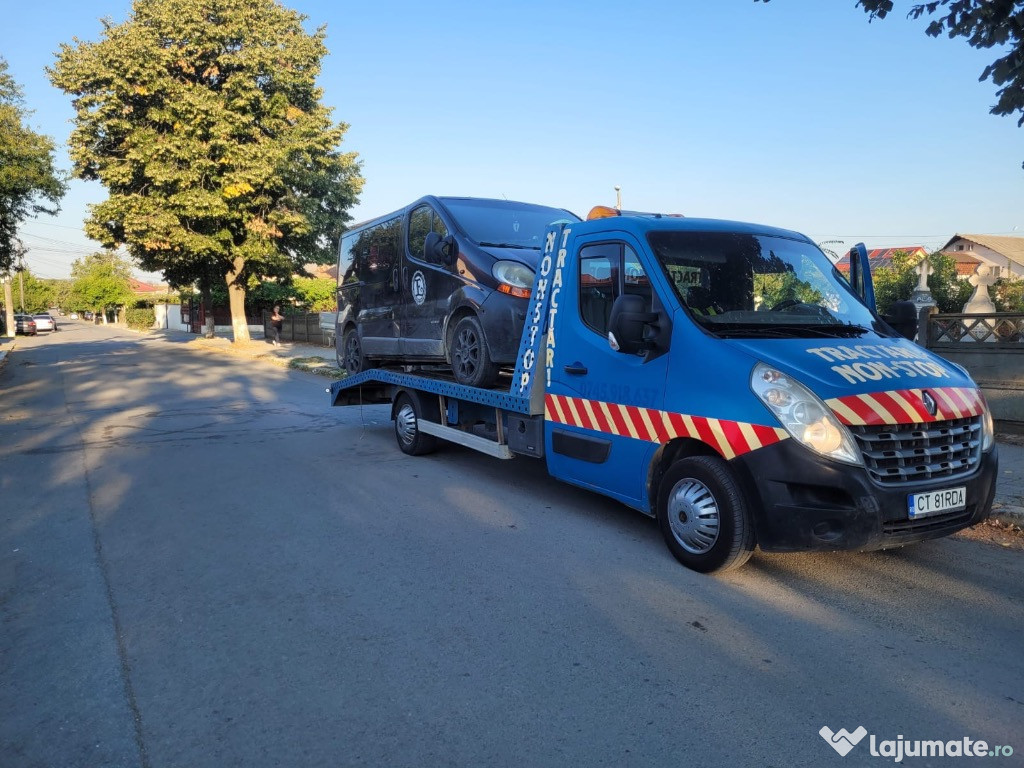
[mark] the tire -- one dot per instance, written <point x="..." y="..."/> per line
<point x="407" y="431"/>
<point x="704" y="516"/>
<point x="350" y="356"/>
<point x="470" y="358"/>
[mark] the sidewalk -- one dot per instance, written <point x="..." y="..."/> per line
<point x="6" y="345"/>
<point x="303" y="357"/>
<point x="1009" y="503"/>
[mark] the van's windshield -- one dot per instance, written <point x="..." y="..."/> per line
<point x="741" y="285"/>
<point x="504" y="223"/>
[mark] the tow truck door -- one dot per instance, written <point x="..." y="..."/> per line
<point x="860" y="275"/>
<point x="599" y="402"/>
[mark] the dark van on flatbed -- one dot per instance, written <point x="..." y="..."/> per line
<point x="445" y="280"/>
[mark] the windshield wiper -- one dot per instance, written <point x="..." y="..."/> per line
<point x="787" y="330"/>
<point x="511" y="245"/>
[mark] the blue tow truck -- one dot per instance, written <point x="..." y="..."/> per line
<point x="725" y="379"/>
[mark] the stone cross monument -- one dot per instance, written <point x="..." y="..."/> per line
<point x="922" y="295"/>
<point x="980" y="302"/>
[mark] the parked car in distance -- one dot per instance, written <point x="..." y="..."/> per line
<point x="24" y="324"/>
<point x="442" y="280"/>
<point x="45" y="322"/>
<point x="73" y="315"/>
<point x="87" y="315"/>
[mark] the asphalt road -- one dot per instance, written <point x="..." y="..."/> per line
<point x="202" y="564"/>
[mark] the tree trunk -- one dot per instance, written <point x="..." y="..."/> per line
<point x="236" y="298"/>
<point x="206" y="294"/>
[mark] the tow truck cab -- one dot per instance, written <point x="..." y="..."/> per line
<point x="726" y="379"/>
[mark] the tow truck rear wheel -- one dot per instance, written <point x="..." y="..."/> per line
<point x="704" y="516"/>
<point x="407" y="427"/>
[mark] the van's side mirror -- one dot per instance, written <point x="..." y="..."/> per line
<point x="439" y="250"/>
<point x="628" y="324"/>
<point x="903" y="318"/>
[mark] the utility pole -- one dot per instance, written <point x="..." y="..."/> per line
<point x="8" y="306"/>
<point x="21" y="287"/>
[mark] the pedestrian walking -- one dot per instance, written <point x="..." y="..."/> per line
<point x="277" y="323"/>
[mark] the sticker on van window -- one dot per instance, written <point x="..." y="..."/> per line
<point x="684" y="277"/>
<point x="419" y="287"/>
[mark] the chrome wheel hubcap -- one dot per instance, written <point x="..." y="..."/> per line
<point x="405" y="424"/>
<point x="693" y="516"/>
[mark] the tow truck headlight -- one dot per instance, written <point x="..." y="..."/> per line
<point x="807" y="419"/>
<point x="988" y="430"/>
<point x="513" y="278"/>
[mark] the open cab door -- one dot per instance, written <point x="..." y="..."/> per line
<point x="860" y="276"/>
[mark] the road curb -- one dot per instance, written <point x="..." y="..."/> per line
<point x="1008" y="514"/>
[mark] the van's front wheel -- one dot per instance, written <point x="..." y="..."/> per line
<point x="703" y="515"/>
<point x="470" y="357"/>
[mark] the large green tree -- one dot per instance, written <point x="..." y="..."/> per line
<point x="29" y="181"/>
<point x="897" y="281"/>
<point x="204" y="123"/>
<point x="983" y="24"/>
<point x="101" y="282"/>
<point x="40" y="294"/>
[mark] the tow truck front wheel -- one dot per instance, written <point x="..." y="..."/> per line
<point x="703" y="515"/>
<point x="407" y="428"/>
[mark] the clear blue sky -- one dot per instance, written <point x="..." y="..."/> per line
<point x="798" y="113"/>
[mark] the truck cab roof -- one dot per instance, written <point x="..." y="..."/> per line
<point x="646" y="222"/>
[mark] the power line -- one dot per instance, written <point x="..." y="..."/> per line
<point x="61" y="226"/>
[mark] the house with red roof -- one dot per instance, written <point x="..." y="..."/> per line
<point x="882" y="257"/>
<point x="145" y="290"/>
<point x="1003" y="255"/>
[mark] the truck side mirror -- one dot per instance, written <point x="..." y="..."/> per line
<point x="903" y="318"/>
<point x="860" y="276"/>
<point x="439" y="250"/>
<point x="627" y="326"/>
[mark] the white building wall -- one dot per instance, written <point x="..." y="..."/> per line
<point x="1007" y="267"/>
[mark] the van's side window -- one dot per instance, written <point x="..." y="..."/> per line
<point x="437" y="225"/>
<point x="375" y="252"/>
<point x="422" y="221"/>
<point x="346" y="264"/>
<point x="419" y="226"/>
<point x="608" y="270"/>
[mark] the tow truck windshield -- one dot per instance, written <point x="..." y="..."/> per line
<point x="742" y="285"/>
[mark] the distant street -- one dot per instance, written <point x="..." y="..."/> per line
<point x="204" y="565"/>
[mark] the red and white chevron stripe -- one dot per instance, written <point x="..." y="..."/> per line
<point x="906" y="406"/>
<point x="729" y="438"/>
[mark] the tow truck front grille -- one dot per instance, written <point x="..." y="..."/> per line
<point x="895" y="454"/>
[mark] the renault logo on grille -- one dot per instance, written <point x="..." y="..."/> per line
<point x="929" y="403"/>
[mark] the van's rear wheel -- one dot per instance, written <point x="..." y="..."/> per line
<point x="471" y="360"/>
<point x="407" y="428"/>
<point x="350" y="356"/>
<point x="704" y="516"/>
